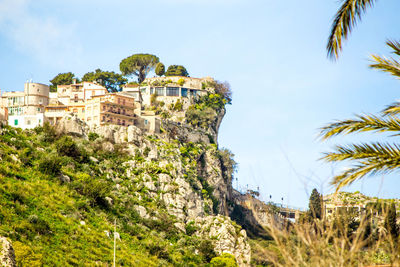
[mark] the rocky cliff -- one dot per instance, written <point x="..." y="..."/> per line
<point x="184" y="169"/>
<point x="7" y="257"/>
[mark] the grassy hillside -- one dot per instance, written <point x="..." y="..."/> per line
<point x="59" y="200"/>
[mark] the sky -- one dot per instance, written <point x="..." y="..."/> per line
<point x="271" y="52"/>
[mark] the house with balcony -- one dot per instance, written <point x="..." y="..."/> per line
<point x="115" y="108"/>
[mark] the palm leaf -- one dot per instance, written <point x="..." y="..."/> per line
<point x="392" y="110"/>
<point x="375" y="158"/>
<point x="361" y="124"/>
<point x="345" y="19"/>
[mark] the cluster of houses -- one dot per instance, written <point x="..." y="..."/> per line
<point x="93" y="104"/>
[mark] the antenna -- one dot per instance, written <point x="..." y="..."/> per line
<point x="115" y="238"/>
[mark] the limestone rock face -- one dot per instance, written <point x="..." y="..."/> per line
<point x="182" y="169"/>
<point x="228" y="238"/>
<point x="70" y="124"/>
<point x="7" y="256"/>
<point x="255" y="214"/>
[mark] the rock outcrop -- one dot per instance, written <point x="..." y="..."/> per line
<point x="228" y="237"/>
<point x="7" y="256"/>
<point x="254" y="215"/>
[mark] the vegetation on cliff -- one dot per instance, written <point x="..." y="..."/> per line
<point x="60" y="196"/>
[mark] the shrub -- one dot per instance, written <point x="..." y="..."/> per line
<point x="181" y="81"/>
<point x="178" y="105"/>
<point x="190" y="228"/>
<point x="225" y="260"/>
<point x="50" y="165"/>
<point x="93" y="136"/>
<point x="67" y="147"/>
<point x="206" y="249"/>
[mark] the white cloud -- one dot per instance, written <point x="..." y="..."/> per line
<point x="44" y="38"/>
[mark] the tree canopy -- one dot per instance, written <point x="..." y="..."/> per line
<point x="139" y="65"/>
<point x="315" y="204"/>
<point x="109" y="79"/>
<point x="62" y="79"/>
<point x="177" y="70"/>
<point x="160" y="69"/>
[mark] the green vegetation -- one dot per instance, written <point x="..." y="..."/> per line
<point x="203" y="113"/>
<point x="109" y="79"/>
<point x="181" y="82"/>
<point x="315" y="204"/>
<point x="60" y="195"/>
<point x="139" y="65"/>
<point x="62" y="79"/>
<point x="176" y="70"/>
<point x="160" y="69"/>
<point x="391" y="222"/>
<point x="225" y="260"/>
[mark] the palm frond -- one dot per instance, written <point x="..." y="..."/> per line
<point x="375" y="158"/>
<point x="389" y="65"/>
<point x="361" y="124"/>
<point x="370" y="152"/>
<point x="392" y="110"/>
<point x="395" y="45"/>
<point x="345" y="19"/>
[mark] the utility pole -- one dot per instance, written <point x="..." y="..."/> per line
<point x="115" y="238"/>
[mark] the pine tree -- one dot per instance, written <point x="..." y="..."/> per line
<point x="315" y="204"/>
<point x="390" y="222"/>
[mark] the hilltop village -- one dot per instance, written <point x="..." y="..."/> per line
<point x="93" y="104"/>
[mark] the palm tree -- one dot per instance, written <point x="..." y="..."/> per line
<point x="368" y="158"/>
<point x="345" y="19"/>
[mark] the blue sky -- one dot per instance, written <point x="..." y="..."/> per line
<point x="271" y="52"/>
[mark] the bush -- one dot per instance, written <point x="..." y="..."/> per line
<point x="181" y="82"/>
<point x="67" y="147"/>
<point x="93" y="136"/>
<point x="206" y="249"/>
<point x="225" y="260"/>
<point x="50" y="165"/>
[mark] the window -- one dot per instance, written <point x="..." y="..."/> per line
<point x="152" y="90"/>
<point x="15" y="122"/>
<point x="28" y="122"/>
<point x="103" y="118"/>
<point x="193" y="92"/>
<point x="146" y="122"/>
<point x="38" y="109"/>
<point x="184" y="92"/>
<point x="143" y="90"/>
<point x="160" y="91"/>
<point x="172" y="91"/>
<point x="123" y="101"/>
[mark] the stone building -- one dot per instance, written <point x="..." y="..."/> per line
<point x="115" y="108"/>
<point x="25" y="109"/>
<point x="170" y="89"/>
<point x="75" y="95"/>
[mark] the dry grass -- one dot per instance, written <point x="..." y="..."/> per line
<point x="333" y="243"/>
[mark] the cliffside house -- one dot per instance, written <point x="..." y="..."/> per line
<point x="25" y="109"/>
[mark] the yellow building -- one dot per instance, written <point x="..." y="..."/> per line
<point x="115" y="108"/>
